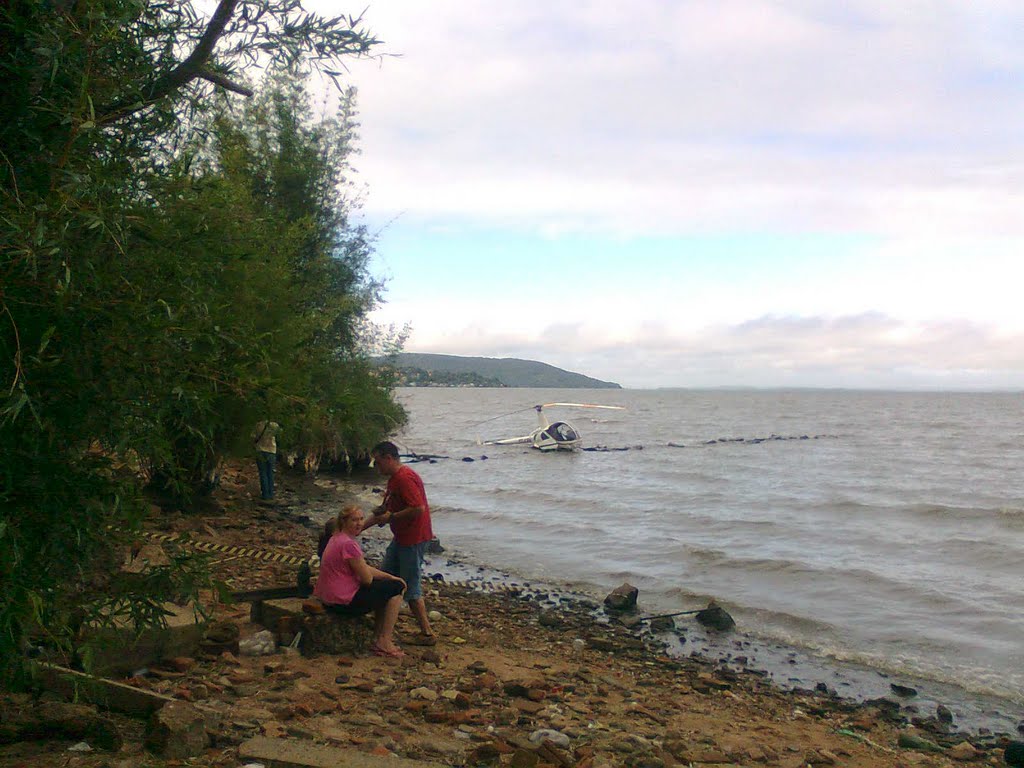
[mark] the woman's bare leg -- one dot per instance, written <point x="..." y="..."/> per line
<point x="387" y="615"/>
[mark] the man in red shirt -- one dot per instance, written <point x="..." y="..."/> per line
<point x="405" y="508"/>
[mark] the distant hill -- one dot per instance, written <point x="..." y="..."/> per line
<point x="453" y="370"/>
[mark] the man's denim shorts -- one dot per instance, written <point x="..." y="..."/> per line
<point x="406" y="563"/>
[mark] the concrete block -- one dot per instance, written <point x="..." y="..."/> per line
<point x="117" y="651"/>
<point x="321" y="633"/>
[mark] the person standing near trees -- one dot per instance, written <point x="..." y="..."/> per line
<point x="406" y="509"/>
<point x="264" y="437"/>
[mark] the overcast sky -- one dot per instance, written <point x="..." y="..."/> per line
<point x="703" y="193"/>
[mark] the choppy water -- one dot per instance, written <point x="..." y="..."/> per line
<point x="893" y="536"/>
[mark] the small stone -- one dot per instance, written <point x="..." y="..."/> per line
<point x="908" y="740"/>
<point x="515" y="688"/>
<point x="524" y="758"/>
<point x="630" y="622"/>
<point x="549" y="619"/>
<point x="180" y="663"/>
<point x="645" y="761"/>
<point x="663" y="624"/>
<point x="944" y="714"/>
<point x="902" y="690"/>
<point x="963" y="751"/>
<point x="485" y="753"/>
<point x="336" y="735"/>
<point x="426" y="694"/>
<point x="200" y="691"/>
<point x="177" y="731"/>
<point x="547" y="734"/>
<point x="528" y="707"/>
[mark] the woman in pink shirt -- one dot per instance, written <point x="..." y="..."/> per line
<point x="348" y="586"/>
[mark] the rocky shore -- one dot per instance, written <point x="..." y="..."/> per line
<point x="517" y="679"/>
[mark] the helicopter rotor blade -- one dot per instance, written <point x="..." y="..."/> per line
<point x="502" y="416"/>
<point x="585" y="405"/>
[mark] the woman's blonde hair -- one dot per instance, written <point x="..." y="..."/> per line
<point x="345" y="514"/>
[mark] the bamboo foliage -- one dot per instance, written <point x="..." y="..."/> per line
<point x="174" y="265"/>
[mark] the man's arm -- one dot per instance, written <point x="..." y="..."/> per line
<point x="407" y="513"/>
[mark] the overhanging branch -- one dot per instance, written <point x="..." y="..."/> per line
<point x="218" y="79"/>
<point x="189" y="69"/>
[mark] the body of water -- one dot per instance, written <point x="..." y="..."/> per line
<point x="882" y="529"/>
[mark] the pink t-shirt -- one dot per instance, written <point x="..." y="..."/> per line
<point x="337" y="583"/>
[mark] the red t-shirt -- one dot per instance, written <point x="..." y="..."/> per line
<point x="405" y="489"/>
<point x="337" y="583"/>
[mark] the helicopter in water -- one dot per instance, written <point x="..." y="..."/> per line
<point x="551" y="435"/>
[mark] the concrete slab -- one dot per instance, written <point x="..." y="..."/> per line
<point x="108" y="694"/>
<point x="272" y="611"/>
<point x="116" y="650"/>
<point x="298" y="753"/>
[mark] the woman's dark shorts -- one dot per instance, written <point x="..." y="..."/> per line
<point x="368" y="598"/>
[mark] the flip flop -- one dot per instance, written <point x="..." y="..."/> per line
<point x="378" y="651"/>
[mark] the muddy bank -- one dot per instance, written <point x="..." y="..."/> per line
<point x="523" y="675"/>
<point x="788" y="667"/>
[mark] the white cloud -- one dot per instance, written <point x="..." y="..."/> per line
<point x="869" y="350"/>
<point x="700" y="115"/>
<point x="897" y="122"/>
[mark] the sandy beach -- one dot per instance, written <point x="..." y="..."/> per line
<point x="509" y="682"/>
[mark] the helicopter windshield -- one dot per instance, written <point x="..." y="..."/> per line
<point x="562" y="432"/>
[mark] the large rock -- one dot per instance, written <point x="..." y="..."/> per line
<point x="622" y="598"/>
<point x="716" y="617"/>
<point x="177" y="731"/>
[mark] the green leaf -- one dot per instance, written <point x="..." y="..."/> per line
<point x="14" y="405"/>
<point x="45" y="341"/>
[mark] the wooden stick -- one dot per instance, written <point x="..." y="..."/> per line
<point x="672" y="615"/>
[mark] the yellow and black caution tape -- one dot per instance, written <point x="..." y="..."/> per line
<point x="224" y="549"/>
<point x="313" y="561"/>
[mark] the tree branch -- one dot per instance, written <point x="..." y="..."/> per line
<point x="188" y="70"/>
<point x="218" y="79"/>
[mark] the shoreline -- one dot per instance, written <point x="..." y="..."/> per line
<point x="788" y="667"/>
<point x="791" y="668"/>
<point x="506" y="669"/>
